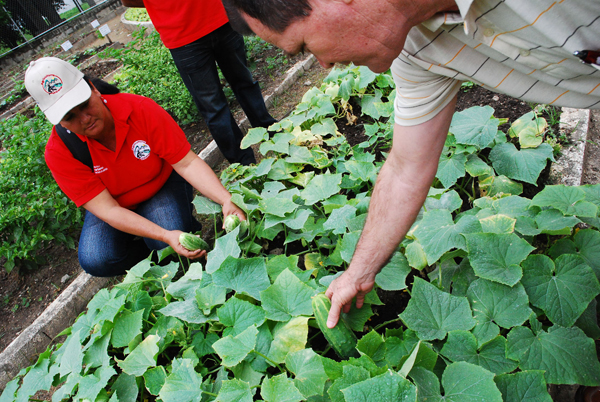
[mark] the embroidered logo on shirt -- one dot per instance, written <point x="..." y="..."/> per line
<point x="52" y="84"/>
<point x="99" y="169"/>
<point x="140" y="149"/>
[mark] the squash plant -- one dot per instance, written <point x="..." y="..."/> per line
<point x="502" y="287"/>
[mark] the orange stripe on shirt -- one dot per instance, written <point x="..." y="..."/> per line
<point x="593" y="89"/>
<point x="461" y="49"/>
<point x="528" y="25"/>
<point x="558" y="97"/>
<point x="402" y="78"/>
<point x="500" y="83"/>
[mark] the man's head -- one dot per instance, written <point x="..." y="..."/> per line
<point x="276" y="15"/>
<point x="365" y="32"/>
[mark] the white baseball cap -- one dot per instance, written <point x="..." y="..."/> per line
<point x="57" y="87"/>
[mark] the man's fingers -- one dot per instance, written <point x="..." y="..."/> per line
<point x="334" y="315"/>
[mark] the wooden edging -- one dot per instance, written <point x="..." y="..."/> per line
<point x="23" y="351"/>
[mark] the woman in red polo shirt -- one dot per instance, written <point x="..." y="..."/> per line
<point x="143" y="171"/>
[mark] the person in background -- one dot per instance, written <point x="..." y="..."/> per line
<point x="141" y="179"/>
<point x="199" y="35"/>
<point x="531" y="50"/>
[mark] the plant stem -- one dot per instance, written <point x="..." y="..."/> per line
<point x="383" y="324"/>
<point x="270" y="361"/>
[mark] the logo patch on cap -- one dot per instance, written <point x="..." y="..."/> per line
<point x="52" y="84"/>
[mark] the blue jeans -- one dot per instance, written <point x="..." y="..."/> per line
<point x="196" y="65"/>
<point x="106" y="251"/>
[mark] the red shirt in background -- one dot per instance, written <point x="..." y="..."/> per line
<point x="148" y="143"/>
<point x="182" y="22"/>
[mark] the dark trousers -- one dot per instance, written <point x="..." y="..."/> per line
<point x="196" y="65"/>
<point x="106" y="251"/>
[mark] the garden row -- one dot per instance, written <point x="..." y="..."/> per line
<point x="500" y="287"/>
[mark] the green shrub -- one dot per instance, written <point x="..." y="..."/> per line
<point x="34" y="209"/>
<point x="149" y="70"/>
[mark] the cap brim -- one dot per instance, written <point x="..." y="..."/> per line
<point x="76" y="96"/>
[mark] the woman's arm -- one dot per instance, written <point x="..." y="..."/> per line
<point x="106" y="208"/>
<point x="196" y="172"/>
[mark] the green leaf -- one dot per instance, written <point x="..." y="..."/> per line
<point x="183" y="384"/>
<point x="449" y="200"/>
<point x="210" y="296"/>
<point x="225" y="246"/>
<point x="363" y="171"/>
<point x="351" y="375"/>
<point x="495" y="305"/>
<point x="187" y="311"/>
<point x="279" y="388"/>
<point x="287" y="297"/>
<point x="128" y="325"/>
<point x="451" y="168"/>
<point x="154" y="379"/>
<point x="321" y="187"/>
<point x="372" y="345"/>
<point x="233" y="350"/>
<point x="462" y="382"/>
<point x="254" y="136"/>
<point x="437" y="233"/>
<point x="238" y="315"/>
<point x="562" y="288"/>
<point x="141" y="358"/>
<point x="310" y="377"/>
<point x="340" y="219"/>
<point x="462" y="346"/>
<point x="477" y="167"/>
<point x="72" y="356"/>
<point x="38" y="377"/>
<point x="588" y="244"/>
<point x="523" y="386"/>
<point x="91" y="385"/>
<point x="234" y="391"/>
<point x="204" y="206"/>
<point x="524" y="165"/>
<point x="288" y="337"/>
<point x="475" y="126"/>
<point x="499" y="185"/>
<point x="496" y="257"/>
<point x="566" y="354"/>
<point x="432" y="313"/>
<point x="277" y="206"/>
<point x="552" y="221"/>
<point x="244" y="275"/>
<point x="498" y="224"/>
<point x="569" y="200"/>
<point x="125" y="388"/>
<point x="393" y="275"/>
<point x="530" y="130"/>
<point x="389" y="386"/>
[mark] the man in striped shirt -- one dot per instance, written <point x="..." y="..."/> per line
<point x="520" y="48"/>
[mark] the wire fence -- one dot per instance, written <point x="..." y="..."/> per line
<point x="22" y="21"/>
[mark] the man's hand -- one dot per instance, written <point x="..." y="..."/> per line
<point x="341" y="292"/>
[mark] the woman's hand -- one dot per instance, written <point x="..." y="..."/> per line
<point x="172" y="239"/>
<point x="229" y="208"/>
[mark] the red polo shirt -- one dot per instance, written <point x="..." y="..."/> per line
<point x="148" y="143"/>
<point x="180" y="23"/>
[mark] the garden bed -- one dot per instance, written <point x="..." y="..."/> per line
<point x="300" y="261"/>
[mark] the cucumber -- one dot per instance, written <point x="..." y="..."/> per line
<point x="231" y="222"/>
<point x="192" y="242"/>
<point x="341" y="337"/>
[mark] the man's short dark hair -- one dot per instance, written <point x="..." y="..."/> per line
<point x="276" y="15"/>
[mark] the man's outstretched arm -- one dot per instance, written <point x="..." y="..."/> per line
<point x="399" y="193"/>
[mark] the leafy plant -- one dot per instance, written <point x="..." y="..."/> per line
<point x="149" y="70"/>
<point x="137" y="14"/>
<point x="34" y="210"/>
<point x="501" y="288"/>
